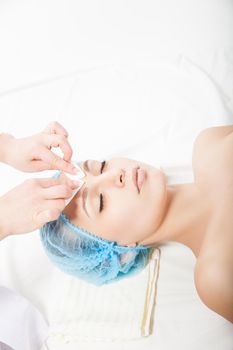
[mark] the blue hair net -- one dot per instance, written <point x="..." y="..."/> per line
<point x="82" y="254"/>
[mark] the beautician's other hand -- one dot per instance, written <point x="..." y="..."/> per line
<point x="33" y="154"/>
<point x="31" y="204"/>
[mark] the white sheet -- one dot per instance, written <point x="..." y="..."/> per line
<point x="92" y="74"/>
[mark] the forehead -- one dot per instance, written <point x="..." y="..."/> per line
<point x="121" y="161"/>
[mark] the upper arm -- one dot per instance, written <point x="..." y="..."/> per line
<point x="215" y="288"/>
<point x="213" y="151"/>
<point x="216" y="133"/>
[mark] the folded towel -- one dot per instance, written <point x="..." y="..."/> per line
<point x="122" y="310"/>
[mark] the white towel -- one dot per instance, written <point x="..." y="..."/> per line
<point x="122" y="310"/>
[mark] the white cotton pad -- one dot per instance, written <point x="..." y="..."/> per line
<point x="76" y="177"/>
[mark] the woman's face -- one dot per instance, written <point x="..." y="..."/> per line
<point x="127" y="216"/>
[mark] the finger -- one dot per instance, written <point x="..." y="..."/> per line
<point x="57" y="203"/>
<point x="47" y="215"/>
<point x="51" y="211"/>
<point x="49" y="182"/>
<point x="55" y="162"/>
<point x="62" y="142"/>
<point x="56" y="128"/>
<point x="59" y="191"/>
<point x="38" y="165"/>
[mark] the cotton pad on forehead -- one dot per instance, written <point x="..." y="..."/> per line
<point x="80" y="174"/>
<point x="76" y="177"/>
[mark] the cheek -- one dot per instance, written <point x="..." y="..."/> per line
<point x="121" y="215"/>
<point x="128" y="220"/>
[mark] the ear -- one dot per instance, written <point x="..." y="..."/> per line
<point x="146" y="241"/>
<point x="132" y="245"/>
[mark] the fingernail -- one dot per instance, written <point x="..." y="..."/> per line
<point x="77" y="183"/>
<point x="75" y="170"/>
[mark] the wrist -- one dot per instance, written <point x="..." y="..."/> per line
<point x="5" y="140"/>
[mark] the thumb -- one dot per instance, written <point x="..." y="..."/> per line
<point x="47" y="215"/>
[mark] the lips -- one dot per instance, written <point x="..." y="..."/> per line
<point x="141" y="175"/>
<point x="134" y="177"/>
<point x="138" y="176"/>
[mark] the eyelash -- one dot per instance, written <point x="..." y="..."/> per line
<point x="101" y="196"/>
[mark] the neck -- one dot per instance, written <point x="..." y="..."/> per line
<point x="186" y="217"/>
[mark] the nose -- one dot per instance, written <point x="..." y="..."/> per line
<point x="113" y="177"/>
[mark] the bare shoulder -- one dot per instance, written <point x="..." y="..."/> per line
<point x="212" y="159"/>
<point x="213" y="137"/>
<point x="215" y="133"/>
<point x="214" y="284"/>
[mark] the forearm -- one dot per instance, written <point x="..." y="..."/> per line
<point x="5" y="140"/>
<point x="3" y="227"/>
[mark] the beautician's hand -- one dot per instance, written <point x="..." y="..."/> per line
<point x="33" y="154"/>
<point x="31" y="204"/>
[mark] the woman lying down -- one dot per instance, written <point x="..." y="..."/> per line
<point x="125" y="208"/>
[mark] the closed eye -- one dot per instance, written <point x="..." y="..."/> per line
<point x="102" y="166"/>
<point x="103" y="163"/>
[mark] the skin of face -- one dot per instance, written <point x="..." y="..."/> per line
<point x="127" y="216"/>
